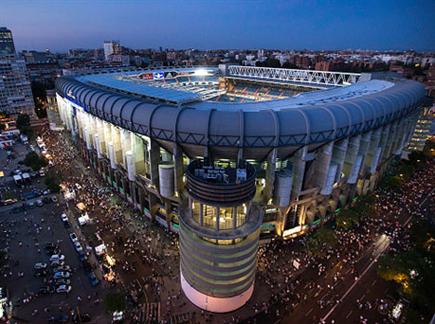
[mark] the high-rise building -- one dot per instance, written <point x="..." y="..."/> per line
<point x="111" y="48"/>
<point x="422" y="129"/>
<point x="15" y="91"/>
<point x="6" y="42"/>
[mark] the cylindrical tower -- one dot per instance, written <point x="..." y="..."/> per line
<point x="219" y="236"/>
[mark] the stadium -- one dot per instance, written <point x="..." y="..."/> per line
<point x="228" y="156"/>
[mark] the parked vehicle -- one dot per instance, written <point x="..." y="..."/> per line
<point x="60" y="282"/>
<point x="61" y="274"/>
<point x="63" y="289"/>
<point x="64" y="217"/>
<point x="57" y="263"/>
<point x="39" y="203"/>
<point x="57" y="257"/>
<point x="93" y="279"/>
<point x="39" y="266"/>
<point x="63" y="268"/>
<point x="78" y="247"/>
<point x="62" y="318"/>
<point x="73" y="237"/>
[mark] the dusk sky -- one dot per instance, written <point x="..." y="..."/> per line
<point x="368" y="24"/>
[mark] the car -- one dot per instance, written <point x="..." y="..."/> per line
<point x="30" y="205"/>
<point x="57" y="263"/>
<point x="39" y="266"/>
<point x="57" y="257"/>
<point x="61" y="318"/>
<point x="93" y="279"/>
<point x="39" y="203"/>
<point x="63" y="268"/>
<point x="8" y="202"/>
<point x="63" y="289"/>
<point x="61" y="274"/>
<point x="78" y="247"/>
<point x="64" y="217"/>
<point x="17" y="210"/>
<point x="60" y="282"/>
<point x="46" y="192"/>
<point x="73" y="237"/>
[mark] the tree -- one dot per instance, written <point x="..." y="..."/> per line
<point x="413" y="270"/>
<point x="35" y="161"/>
<point x="323" y="237"/>
<point x="52" y="181"/>
<point x="288" y="65"/>
<point x="114" y="302"/>
<point x="23" y="124"/>
<point x="23" y="120"/>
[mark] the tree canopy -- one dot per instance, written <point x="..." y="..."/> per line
<point x="35" y="161"/>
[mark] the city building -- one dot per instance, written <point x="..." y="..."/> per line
<point x="6" y="42"/>
<point x="44" y="73"/>
<point x="223" y="156"/>
<point x="422" y="130"/>
<point x="111" y="48"/>
<point x="15" y="91"/>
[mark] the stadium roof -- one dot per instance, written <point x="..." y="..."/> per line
<point x="314" y="117"/>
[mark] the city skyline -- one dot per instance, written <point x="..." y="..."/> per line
<point x="400" y="25"/>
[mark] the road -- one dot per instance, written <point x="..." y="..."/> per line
<point x="343" y="298"/>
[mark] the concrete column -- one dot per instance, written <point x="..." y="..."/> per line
<point x="339" y="155"/>
<point x="79" y="124"/>
<point x="322" y="162"/>
<point x="179" y="169"/>
<point x="107" y="136"/>
<point x="298" y="163"/>
<point x="201" y="212"/>
<point x="154" y="162"/>
<point x="99" y="138"/>
<point x="363" y="150"/>
<point x="351" y="155"/>
<point x="234" y="210"/>
<point x="98" y="146"/>
<point x="138" y="154"/>
<point x="131" y="167"/>
<point x="391" y="138"/>
<point x="126" y="144"/>
<point x="384" y="141"/>
<point x="270" y="175"/>
<point x="111" y="155"/>
<point x="116" y="141"/>
<point x="373" y="150"/>
<point x="217" y="211"/>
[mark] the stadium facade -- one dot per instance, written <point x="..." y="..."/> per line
<point x="225" y="156"/>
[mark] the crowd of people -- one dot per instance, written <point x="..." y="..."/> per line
<point x="391" y="216"/>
